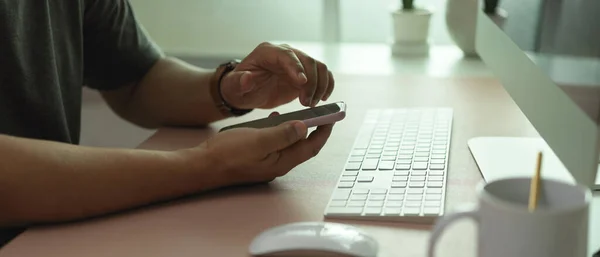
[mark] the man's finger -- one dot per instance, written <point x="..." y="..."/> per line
<point x="322" y="82"/>
<point x="330" y="86"/>
<point x="239" y="82"/>
<point x="281" y="136"/>
<point x="308" y="89"/>
<point x="292" y="65"/>
<point x="273" y="114"/>
<point x="305" y="149"/>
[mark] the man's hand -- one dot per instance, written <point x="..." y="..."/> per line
<point x="247" y="155"/>
<point x="273" y="75"/>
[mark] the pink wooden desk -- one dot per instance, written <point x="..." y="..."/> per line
<point x="224" y="222"/>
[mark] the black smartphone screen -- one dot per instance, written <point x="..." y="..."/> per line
<point x="297" y="115"/>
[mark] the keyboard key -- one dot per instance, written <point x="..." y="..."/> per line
<point x="395" y="197"/>
<point x="418" y="172"/>
<point x="373" y="156"/>
<point x="345" y="184"/>
<point x="403" y="167"/>
<point x="374" y="152"/>
<point x="401" y="172"/>
<point x="373" y="203"/>
<point x="350" y="173"/>
<point x="344" y="210"/>
<point x="433" y="197"/>
<point x="417" y="178"/>
<point x="423" y="145"/>
<point x="406" y="152"/>
<point x="404" y="161"/>
<point x="365" y="179"/>
<point x="436" y="173"/>
<point x="415" y="191"/>
<point x="423" y="149"/>
<point x="421" y="159"/>
<point x="416" y="184"/>
<point x="400" y="178"/>
<point x="434" y="191"/>
<point x="348" y="178"/>
<point x="393" y="204"/>
<point x="432" y="203"/>
<point x="431" y="211"/>
<point x="434" y="184"/>
<point x="388" y="158"/>
<point x="390" y="153"/>
<point x="358" y="197"/>
<point x="392" y="211"/>
<point x="386" y="165"/>
<point x="412" y="204"/>
<point x="438" y="156"/>
<point x="376" y="146"/>
<point x="341" y="194"/>
<point x="436" y="178"/>
<point x="373" y="211"/>
<point x="360" y="191"/>
<point x="378" y="191"/>
<point x="405" y="157"/>
<point x="355" y="159"/>
<point x="370" y="164"/>
<point x="399" y="184"/>
<point x="419" y="165"/>
<point x="356" y="203"/>
<point x="437" y="166"/>
<point x="359" y="153"/>
<point x="440" y="142"/>
<point x="376" y="197"/>
<point x="397" y="191"/>
<point x="338" y="203"/>
<point x="414" y="197"/>
<point x="422" y="154"/>
<point x="353" y="166"/>
<point x="409" y="211"/>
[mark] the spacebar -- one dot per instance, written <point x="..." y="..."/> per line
<point x="344" y="210"/>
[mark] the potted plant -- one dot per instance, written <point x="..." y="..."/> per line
<point x="411" y="29"/>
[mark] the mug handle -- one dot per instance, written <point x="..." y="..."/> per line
<point x="465" y="212"/>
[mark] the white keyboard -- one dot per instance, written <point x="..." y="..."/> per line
<point x="397" y="168"/>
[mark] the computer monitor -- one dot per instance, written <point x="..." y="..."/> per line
<point x="546" y="54"/>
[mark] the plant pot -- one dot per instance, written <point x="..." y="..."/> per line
<point x="411" y="31"/>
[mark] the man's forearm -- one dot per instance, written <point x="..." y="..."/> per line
<point x="172" y="93"/>
<point x="43" y="181"/>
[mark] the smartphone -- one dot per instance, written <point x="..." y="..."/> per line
<point x="312" y="117"/>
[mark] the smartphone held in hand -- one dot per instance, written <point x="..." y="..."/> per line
<point x="312" y="117"/>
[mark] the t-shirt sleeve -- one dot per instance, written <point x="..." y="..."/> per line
<point x="117" y="49"/>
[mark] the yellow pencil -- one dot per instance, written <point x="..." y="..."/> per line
<point x="534" y="190"/>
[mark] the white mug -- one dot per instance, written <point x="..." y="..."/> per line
<point x="557" y="228"/>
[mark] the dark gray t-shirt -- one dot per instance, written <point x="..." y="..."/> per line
<point x="49" y="49"/>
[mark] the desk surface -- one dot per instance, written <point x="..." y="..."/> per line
<point x="223" y="223"/>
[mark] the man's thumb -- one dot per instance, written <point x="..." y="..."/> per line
<point x="282" y="136"/>
<point x="240" y="81"/>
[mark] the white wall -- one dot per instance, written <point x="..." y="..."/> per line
<point x="189" y="25"/>
<point x="212" y="27"/>
<point x="370" y="21"/>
